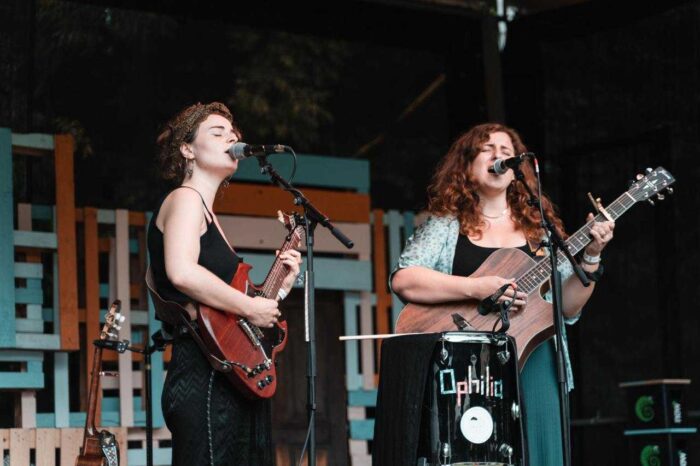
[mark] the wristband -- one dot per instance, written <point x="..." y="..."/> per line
<point x="595" y="276"/>
<point x="591" y="260"/>
<point x="281" y="294"/>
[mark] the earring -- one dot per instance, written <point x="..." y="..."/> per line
<point x="225" y="183"/>
<point x="189" y="168"/>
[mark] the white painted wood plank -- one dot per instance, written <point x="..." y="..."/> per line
<point x="123" y="291"/>
<point x="367" y="346"/>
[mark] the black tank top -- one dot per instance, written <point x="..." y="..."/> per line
<point x="214" y="254"/>
<point x="469" y="256"/>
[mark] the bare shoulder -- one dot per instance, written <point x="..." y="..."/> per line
<point x="181" y="205"/>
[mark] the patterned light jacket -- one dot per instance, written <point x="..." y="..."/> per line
<point x="433" y="246"/>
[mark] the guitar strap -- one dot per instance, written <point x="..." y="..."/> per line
<point x="174" y="314"/>
<point x="110" y="448"/>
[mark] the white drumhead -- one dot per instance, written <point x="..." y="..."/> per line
<point x="476" y="425"/>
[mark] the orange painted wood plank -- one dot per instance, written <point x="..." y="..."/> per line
<point x="135" y="218"/>
<point x="65" y="233"/>
<point x="261" y="200"/>
<point x="380" y="277"/>
<point x="92" y="292"/>
<point x="123" y="293"/>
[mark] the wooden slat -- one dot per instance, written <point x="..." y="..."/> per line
<point x="265" y="201"/>
<point x="65" y="232"/>
<point x="123" y="292"/>
<point x="395" y="221"/>
<point x="47" y="438"/>
<point x="313" y="170"/>
<point x="353" y="379"/>
<point x="19" y="447"/>
<point x="60" y="390"/>
<point x="71" y="440"/>
<point x="92" y="293"/>
<point x="43" y="142"/>
<point x="28" y="408"/>
<point x="268" y="233"/>
<point x="368" y="361"/>
<point x="380" y="278"/>
<point x="7" y="253"/>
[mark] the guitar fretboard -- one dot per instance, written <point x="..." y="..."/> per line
<point x="275" y="277"/>
<point x="540" y="273"/>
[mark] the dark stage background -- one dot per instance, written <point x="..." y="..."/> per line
<point x="599" y="90"/>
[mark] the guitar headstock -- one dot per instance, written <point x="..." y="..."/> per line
<point x="651" y="186"/>
<point x="293" y="222"/>
<point x="110" y="330"/>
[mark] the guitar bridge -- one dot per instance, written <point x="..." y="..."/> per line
<point x="252" y="335"/>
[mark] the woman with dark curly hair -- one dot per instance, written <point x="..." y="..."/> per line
<point x="192" y="262"/>
<point x="474" y="213"/>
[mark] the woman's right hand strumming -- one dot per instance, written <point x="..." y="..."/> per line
<point x="262" y="312"/>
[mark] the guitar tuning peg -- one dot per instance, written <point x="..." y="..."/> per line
<point x="121" y="318"/>
<point x="651" y="201"/>
<point x="630" y="183"/>
<point x="112" y="335"/>
<point x="648" y="170"/>
<point x="669" y="190"/>
<point x="639" y="176"/>
<point x="660" y="197"/>
<point x="117" y="327"/>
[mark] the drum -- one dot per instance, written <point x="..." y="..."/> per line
<point x="472" y="414"/>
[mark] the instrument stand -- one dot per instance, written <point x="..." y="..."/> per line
<point x="555" y="243"/>
<point x="159" y="343"/>
<point x="312" y="217"/>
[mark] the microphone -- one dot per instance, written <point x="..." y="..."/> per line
<point x="241" y="150"/>
<point x="501" y="166"/>
<point x="487" y="305"/>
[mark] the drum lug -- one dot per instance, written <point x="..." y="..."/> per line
<point x="506" y="450"/>
<point x="503" y="356"/>
<point x="515" y="411"/>
<point x="446" y="453"/>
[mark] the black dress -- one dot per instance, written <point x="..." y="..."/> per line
<point x="210" y="421"/>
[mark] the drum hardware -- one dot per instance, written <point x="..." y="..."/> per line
<point x="515" y="411"/>
<point x="503" y="356"/>
<point x="446" y="453"/>
<point x="506" y="450"/>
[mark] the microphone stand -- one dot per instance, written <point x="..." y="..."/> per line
<point x="158" y="345"/>
<point x="312" y="217"/>
<point x="555" y="243"/>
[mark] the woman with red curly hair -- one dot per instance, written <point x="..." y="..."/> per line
<point x="474" y="213"/>
<point x="192" y="262"/>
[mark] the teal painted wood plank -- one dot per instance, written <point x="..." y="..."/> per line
<point x="161" y="457"/>
<point x="33" y="283"/>
<point x="35" y="239"/>
<point x="111" y="403"/>
<point x="35" y="366"/>
<point x="33" y="140"/>
<point x="106" y="216"/>
<point x="42" y="212"/>
<point x="29" y="296"/>
<point x="20" y="356"/>
<point x="157" y="365"/>
<point x="362" y="429"/>
<point x="8" y="328"/>
<point x="362" y="398"/>
<point x="408" y="224"/>
<point x="34" y="311"/>
<point x="30" y="325"/>
<point x="312" y="170"/>
<point x="353" y="379"/>
<point x="17" y="380"/>
<point x="28" y="270"/>
<point x="60" y="390"/>
<point x="77" y="419"/>
<point x="47" y="313"/>
<point x="38" y="341"/>
<point x="331" y="274"/>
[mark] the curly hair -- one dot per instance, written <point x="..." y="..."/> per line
<point x="182" y="128"/>
<point x="453" y="191"/>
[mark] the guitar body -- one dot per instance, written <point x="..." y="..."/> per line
<point x="529" y="327"/>
<point x="91" y="452"/>
<point x="253" y="350"/>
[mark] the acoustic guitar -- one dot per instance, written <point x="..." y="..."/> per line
<point x="533" y="325"/>
<point x="100" y="448"/>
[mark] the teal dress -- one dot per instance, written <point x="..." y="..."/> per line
<point x="434" y="245"/>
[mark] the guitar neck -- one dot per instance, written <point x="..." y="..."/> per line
<point x="278" y="271"/>
<point x="541" y="272"/>
<point x="90" y="428"/>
